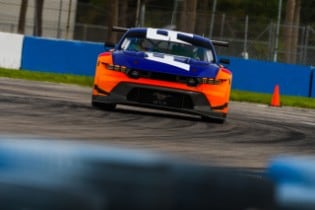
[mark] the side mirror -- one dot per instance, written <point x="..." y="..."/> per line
<point x="224" y="61"/>
<point x="109" y="45"/>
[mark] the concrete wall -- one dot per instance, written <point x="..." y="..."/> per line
<point x="10" y="50"/>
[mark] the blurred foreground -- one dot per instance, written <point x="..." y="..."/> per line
<point x="46" y="175"/>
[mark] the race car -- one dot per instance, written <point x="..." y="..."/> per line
<point x="164" y="69"/>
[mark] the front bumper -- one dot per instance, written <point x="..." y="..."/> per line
<point x="160" y="98"/>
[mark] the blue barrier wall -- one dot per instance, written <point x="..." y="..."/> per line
<point x="312" y="87"/>
<point x="260" y="76"/>
<point x="60" y="56"/>
<point x="76" y="57"/>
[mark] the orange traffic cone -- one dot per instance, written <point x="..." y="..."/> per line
<point x="275" y="100"/>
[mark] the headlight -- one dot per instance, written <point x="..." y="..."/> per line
<point x="116" y="67"/>
<point x="192" y="82"/>
<point x="212" y="81"/>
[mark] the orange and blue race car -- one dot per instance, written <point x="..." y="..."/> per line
<point x="164" y="69"/>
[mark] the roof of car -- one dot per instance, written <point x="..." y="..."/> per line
<point x="169" y="35"/>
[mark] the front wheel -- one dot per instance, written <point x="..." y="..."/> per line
<point x="103" y="106"/>
<point x="213" y="120"/>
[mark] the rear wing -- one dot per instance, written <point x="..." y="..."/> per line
<point x="119" y="29"/>
<point x="220" y="43"/>
<point x="214" y="42"/>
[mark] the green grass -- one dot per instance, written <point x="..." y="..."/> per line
<point x="236" y="95"/>
<point x="263" y="98"/>
<point x="49" y="77"/>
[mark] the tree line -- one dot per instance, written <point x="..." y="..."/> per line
<point x="128" y="13"/>
<point x="190" y="22"/>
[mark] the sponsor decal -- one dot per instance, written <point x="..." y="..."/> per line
<point x="171" y="36"/>
<point x="168" y="59"/>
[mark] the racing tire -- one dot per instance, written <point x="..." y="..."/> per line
<point x="213" y="120"/>
<point x="103" y="106"/>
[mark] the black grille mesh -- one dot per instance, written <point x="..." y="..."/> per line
<point x="160" y="98"/>
<point x="163" y="76"/>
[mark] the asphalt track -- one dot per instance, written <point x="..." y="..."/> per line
<point x="252" y="135"/>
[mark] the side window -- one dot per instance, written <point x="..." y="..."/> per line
<point x="125" y="44"/>
<point x="199" y="53"/>
<point x="209" y="56"/>
<point x="136" y="44"/>
<point x="146" y="45"/>
<point x="133" y="45"/>
<point x="182" y="50"/>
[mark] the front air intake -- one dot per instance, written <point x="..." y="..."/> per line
<point x="160" y="98"/>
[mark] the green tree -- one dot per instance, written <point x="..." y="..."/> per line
<point x="291" y="30"/>
<point x="188" y="15"/>
<point x="112" y="20"/>
<point x="37" y="30"/>
<point x="308" y="12"/>
<point x="23" y="9"/>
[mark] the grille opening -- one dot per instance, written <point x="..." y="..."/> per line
<point x="160" y="98"/>
<point x="163" y="76"/>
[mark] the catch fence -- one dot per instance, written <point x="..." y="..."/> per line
<point x="249" y="37"/>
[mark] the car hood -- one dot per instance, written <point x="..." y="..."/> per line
<point x="163" y="63"/>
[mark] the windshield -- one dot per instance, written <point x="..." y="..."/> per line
<point x="167" y="47"/>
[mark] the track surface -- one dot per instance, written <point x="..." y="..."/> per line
<point x="251" y="136"/>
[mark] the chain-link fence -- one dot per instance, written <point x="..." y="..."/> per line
<point x="249" y="37"/>
<point x="9" y="23"/>
<point x="90" y="32"/>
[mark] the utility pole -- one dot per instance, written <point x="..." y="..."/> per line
<point x="214" y="7"/>
<point x="68" y="19"/>
<point x="245" y="53"/>
<point x="138" y="13"/>
<point x="21" y="25"/>
<point x="275" y="56"/>
<point x="174" y="13"/>
<point x="38" y="15"/>
<point x="142" y="13"/>
<point x="59" y="19"/>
